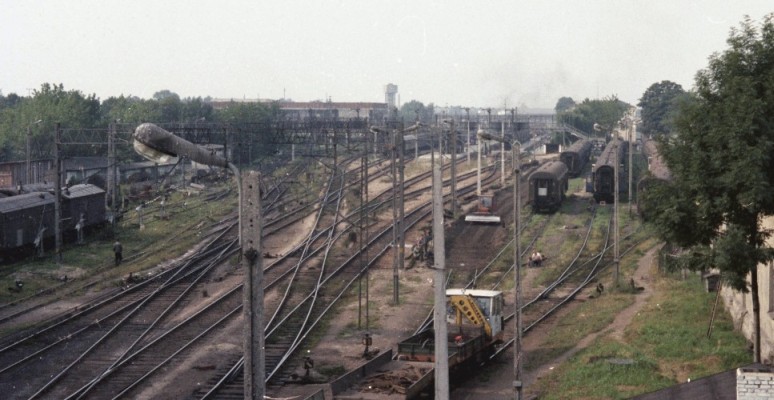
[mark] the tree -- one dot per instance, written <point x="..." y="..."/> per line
<point x="721" y="164"/>
<point x="564" y="104"/>
<point x="414" y="109"/>
<point x="51" y="104"/>
<point x="169" y="104"/>
<point x="658" y="105"/>
<point x="196" y="110"/>
<point x="605" y="112"/>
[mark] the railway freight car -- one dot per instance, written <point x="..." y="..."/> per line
<point x="576" y="156"/>
<point x="658" y="175"/>
<point x="27" y="220"/>
<point x="603" y="171"/>
<point x="82" y="204"/>
<point x="547" y="186"/>
<point x="475" y="324"/>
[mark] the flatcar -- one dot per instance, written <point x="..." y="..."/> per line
<point x="27" y="220"/>
<point x="658" y="174"/>
<point x="576" y="156"/>
<point x="547" y="186"/>
<point x="603" y="171"/>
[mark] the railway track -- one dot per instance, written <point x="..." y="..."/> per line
<point x="570" y="280"/>
<point x="319" y="302"/>
<point x="59" y="352"/>
<point x="90" y="373"/>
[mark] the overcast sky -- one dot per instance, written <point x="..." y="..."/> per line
<point x="470" y="53"/>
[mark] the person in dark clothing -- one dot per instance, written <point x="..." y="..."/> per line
<point x="118" y="250"/>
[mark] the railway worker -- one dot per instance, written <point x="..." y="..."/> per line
<point x="536" y="259"/>
<point x="118" y="250"/>
<point x="308" y="363"/>
<point x="79" y="227"/>
<point x="539" y="258"/>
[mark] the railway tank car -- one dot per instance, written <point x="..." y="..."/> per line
<point x="576" y="156"/>
<point x="658" y="174"/>
<point x="547" y="186"/>
<point x="603" y="171"/>
<point x="27" y="219"/>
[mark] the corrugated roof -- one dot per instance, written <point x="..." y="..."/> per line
<point x="15" y="203"/>
<point x="81" y="190"/>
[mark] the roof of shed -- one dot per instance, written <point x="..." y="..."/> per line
<point x="22" y="201"/>
<point x="81" y="190"/>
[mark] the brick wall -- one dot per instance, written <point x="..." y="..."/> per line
<point x="754" y="383"/>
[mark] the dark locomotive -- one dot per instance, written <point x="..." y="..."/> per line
<point x="603" y="171"/>
<point x="576" y="156"/>
<point x="27" y="220"/>
<point x="658" y="175"/>
<point x="547" y="186"/>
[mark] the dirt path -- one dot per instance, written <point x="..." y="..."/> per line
<point x="615" y="329"/>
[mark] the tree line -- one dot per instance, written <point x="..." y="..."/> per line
<point x="38" y="114"/>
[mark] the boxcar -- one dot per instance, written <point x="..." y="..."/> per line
<point x="24" y="218"/>
<point x="84" y="200"/>
<point x="603" y="171"/>
<point x="547" y="186"/>
<point x="576" y="156"/>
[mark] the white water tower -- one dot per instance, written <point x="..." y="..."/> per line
<point x="390" y="95"/>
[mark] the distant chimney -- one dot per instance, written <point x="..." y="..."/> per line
<point x="754" y="383"/>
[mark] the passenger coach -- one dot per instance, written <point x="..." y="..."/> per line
<point x="603" y="171"/>
<point x="576" y="156"/>
<point x="547" y="186"/>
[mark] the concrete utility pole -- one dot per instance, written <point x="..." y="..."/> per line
<point x="110" y="173"/>
<point x="478" y="167"/>
<point x="615" y="207"/>
<point x="467" y="112"/>
<point x="440" y="340"/>
<point x="440" y="149"/>
<point x="517" y="326"/>
<point x="58" y="195"/>
<point x="632" y="133"/>
<point x="395" y="222"/>
<point x="363" y="236"/>
<point x="29" y="167"/>
<point x="401" y="207"/>
<point x="29" y="179"/>
<point x="453" y="148"/>
<point x="252" y="264"/>
<point x="502" y="153"/>
<point x="398" y="236"/>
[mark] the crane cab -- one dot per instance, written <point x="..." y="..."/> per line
<point x="479" y="307"/>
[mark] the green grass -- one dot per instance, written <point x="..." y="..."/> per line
<point x="592" y="375"/>
<point x="592" y="316"/>
<point x="666" y="343"/>
<point x="674" y="329"/>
